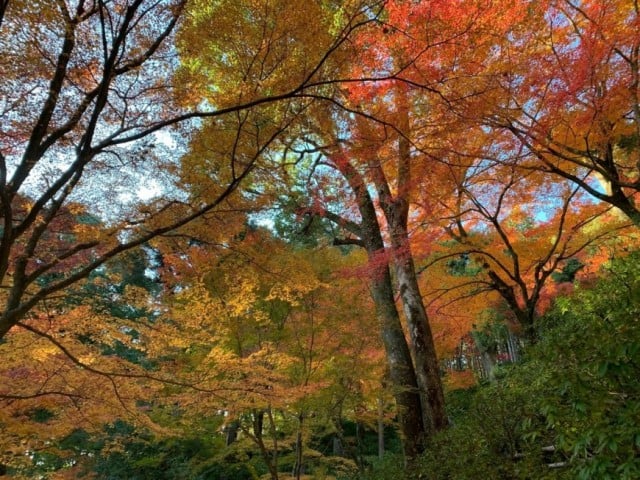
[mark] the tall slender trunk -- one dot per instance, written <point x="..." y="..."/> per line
<point x="380" y="426"/>
<point x="298" y="464"/>
<point x="231" y="432"/>
<point x="423" y="347"/>
<point x="255" y="433"/>
<point x="396" y="211"/>
<point x="401" y="370"/>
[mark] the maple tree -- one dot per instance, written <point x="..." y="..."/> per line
<point x="463" y="151"/>
<point x="268" y="336"/>
<point x="402" y="370"/>
<point x="93" y="103"/>
<point x="559" y="395"/>
<point x="469" y="92"/>
<point x="382" y="156"/>
<point x="368" y="232"/>
<point x="503" y="244"/>
<point x="78" y="364"/>
<point x="281" y="336"/>
<point x="366" y="164"/>
<point x="563" y="81"/>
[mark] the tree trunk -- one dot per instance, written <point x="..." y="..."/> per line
<point x="297" y="465"/>
<point x="360" y="442"/>
<point x="513" y="347"/>
<point x="380" y="427"/>
<point x="401" y="371"/>
<point x="231" y="432"/>
<point x="401" y="368"/>
<point x="255" y="433"/>
<point x="396" y="211"/>
<point x="337" y="446"/>
<point x="423" y="347"/>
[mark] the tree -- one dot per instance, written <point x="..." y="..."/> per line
<point x="449" y="60"/>
<point x="278" y="327"/>
<point x="568" y="85"/>
<point x="571" y="404"/>
<point x="366" y="232"/>
<point x="374" y="148"/>
<point x="516" y="239"/>
<point x="85" y="97"/>
<point x="80" y="364"/>
<point x="395" y="139"/>
<point x="351" y="163"/>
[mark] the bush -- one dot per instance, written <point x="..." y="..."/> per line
<point x="592" y="345"/>
<point x="576" y="390"/>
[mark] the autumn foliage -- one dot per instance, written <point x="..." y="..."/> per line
<point x="283" y="218"/>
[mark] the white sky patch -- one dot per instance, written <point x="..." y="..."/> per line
<point x="148" y="190"/>
<point x="165" y="139"/>
<point x="263" y="219"/>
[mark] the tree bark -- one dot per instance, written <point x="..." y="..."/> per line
<point x="423" y="348"/>
<point x="297" y="465"/>
<point x="380" y="427"/>
<point x="396" y="211"/>
<point x="401" y="369"/>
<point x="270" y="458"/>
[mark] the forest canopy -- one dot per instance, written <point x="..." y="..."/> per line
<point x="282" y="239"/>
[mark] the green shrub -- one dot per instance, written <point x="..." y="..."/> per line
<point x="576" y="390"/>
